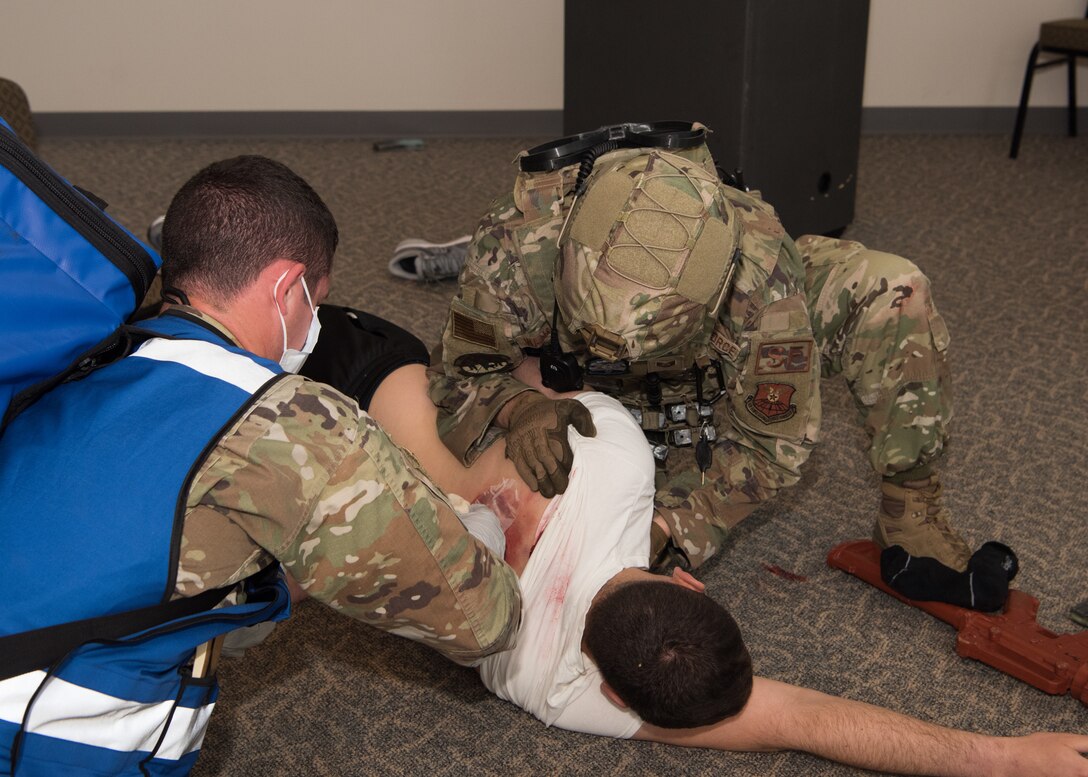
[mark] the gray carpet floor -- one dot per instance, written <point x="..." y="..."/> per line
<point x="1006" y="245"/>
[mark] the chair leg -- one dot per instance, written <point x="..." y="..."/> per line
<point x="1072" y="96"/>
<point x="1018" y="129"/>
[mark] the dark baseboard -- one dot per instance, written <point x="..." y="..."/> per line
<point x="964" y="121"/>
<point x="875" y="121"/>
<point x="302" y="123"/>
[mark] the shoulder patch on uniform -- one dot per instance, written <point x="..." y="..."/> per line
<point x="771" y="402"/>
<point x="473" y="330"/>
<point x="783" y="356"/>
<point x="598" y="366"/>
<point x="481" y="363"/>
<point x="722" y="342"/>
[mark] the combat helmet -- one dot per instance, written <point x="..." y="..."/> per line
<point x="646" y="257"/>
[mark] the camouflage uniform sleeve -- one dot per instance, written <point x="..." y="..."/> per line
<point x="489" y="319"/>
<point x="768" y="420"/>
<point x="309" y="479"/>
<point x="772" y="362"/>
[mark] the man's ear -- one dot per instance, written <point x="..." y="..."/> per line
<point x="682" y="578"/>
<point x="270" y="277"/>
<point x="612" y="696"/>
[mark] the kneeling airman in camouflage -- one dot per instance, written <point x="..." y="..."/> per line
<point x="640" y="272"/>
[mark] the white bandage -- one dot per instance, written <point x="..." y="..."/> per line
<point x="484" y="525"/>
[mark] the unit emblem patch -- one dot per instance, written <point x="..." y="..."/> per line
<point x="771" y="402"/>
<point x="481" y="363"/>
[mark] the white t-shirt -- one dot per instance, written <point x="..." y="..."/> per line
<point x="599" y="526"/>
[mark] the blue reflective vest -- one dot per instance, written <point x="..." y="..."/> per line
<point x="93" y="485"/>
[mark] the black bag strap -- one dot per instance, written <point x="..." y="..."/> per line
<point x="118" y="344"/>
<point x="21" y="653"/>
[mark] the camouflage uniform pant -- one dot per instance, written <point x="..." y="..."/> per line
<point x="875" y="324"/>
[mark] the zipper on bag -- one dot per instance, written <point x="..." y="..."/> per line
<point x="96" y="227"/>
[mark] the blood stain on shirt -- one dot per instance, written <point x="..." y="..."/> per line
<point x="557" y="594"/>
<point x="505" y="501"/>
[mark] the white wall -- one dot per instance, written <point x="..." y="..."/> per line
<point x="411" y="55"/>
<point x="962" y="52"/>
<point x="298" y="55"/>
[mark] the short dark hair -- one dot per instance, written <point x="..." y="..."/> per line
<point x="231" y="219"/>
<point x="674" y="656"/>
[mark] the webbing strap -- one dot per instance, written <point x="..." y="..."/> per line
<point x="29" y="650"/>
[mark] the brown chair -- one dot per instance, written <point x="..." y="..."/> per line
<point x="1068" y="38"/>
<point x="15" y="110"/>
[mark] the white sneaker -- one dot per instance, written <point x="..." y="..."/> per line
<point x="154" y="233"/>
<point x="419" y="260"/>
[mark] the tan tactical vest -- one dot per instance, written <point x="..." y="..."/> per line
<point x="669" y="401"/>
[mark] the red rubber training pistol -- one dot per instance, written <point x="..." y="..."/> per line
<point x="1010" y="641"/>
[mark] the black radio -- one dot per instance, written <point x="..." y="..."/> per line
<point x="559" y="371"/>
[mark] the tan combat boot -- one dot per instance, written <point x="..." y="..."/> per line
<point x="912" y="517"/>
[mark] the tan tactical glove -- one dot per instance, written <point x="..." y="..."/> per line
<point x="536" y="440"/>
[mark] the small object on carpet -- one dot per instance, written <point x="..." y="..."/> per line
<point x="1078" y="613"/>
<point x="398" y="144"/>
<point x="774" y="569"/>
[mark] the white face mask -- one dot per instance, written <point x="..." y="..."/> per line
<point x="293" y="359"/>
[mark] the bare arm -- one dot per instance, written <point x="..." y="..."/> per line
<point x="785" y="717"/>
<point x="402" y="407"/>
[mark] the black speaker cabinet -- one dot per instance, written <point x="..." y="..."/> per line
<point x="778" y="81"/>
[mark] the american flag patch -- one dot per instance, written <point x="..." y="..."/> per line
<point x="472" y="330"/>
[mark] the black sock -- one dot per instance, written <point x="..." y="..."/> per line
<point x="984" y="585"/>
